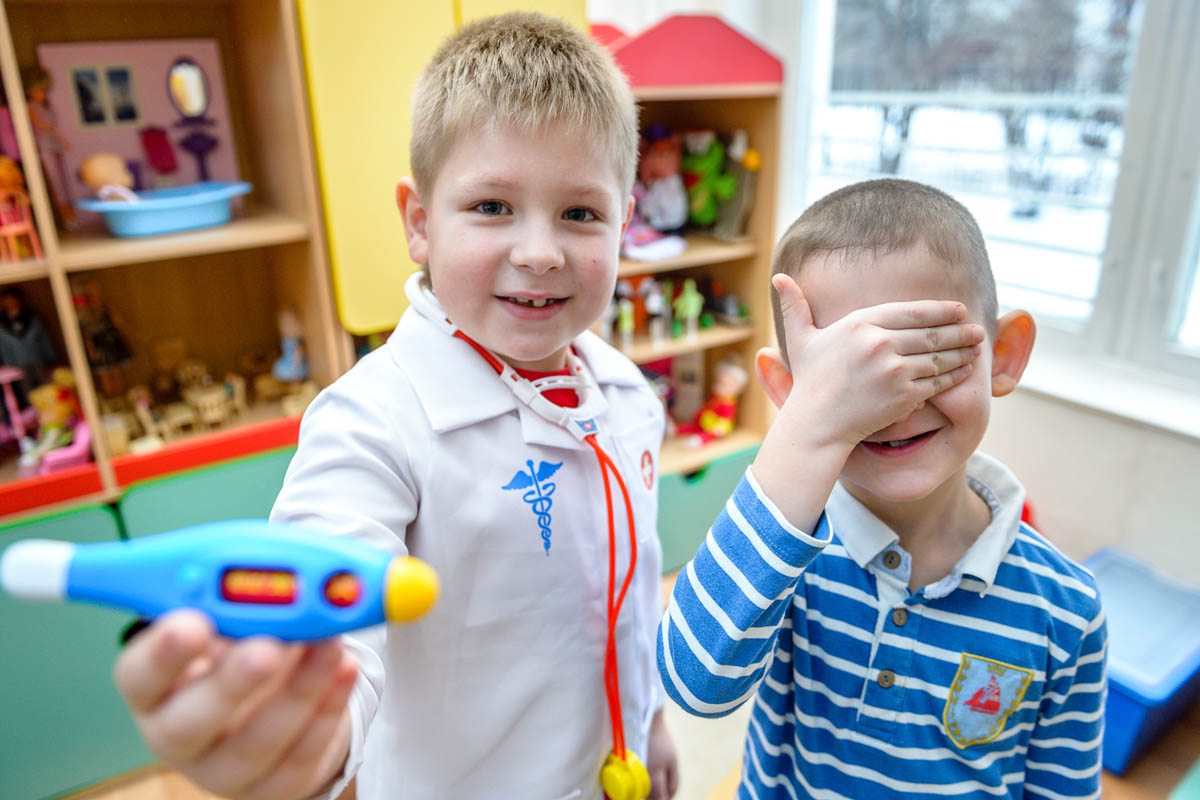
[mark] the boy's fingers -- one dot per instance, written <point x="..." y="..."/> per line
<point x="317" y="753"/>
<point x="184" y="726"/>
<point x="943" y="337"/>
<point x="244" y="756"/>
<point x="931" y="364"/>
<point x="154" y="660"/>
<point x="797" y="316"/>
<point x="936" y="384"/>
<point x="915" y="314"/>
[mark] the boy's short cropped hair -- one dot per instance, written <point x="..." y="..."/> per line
<point x="888" y="215"/>
<point x="526" y="70"/>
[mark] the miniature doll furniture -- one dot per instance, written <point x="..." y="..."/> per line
<point x="18" y="419"/>
<point x="16" y="224"/>
<point x="79" y="451"/>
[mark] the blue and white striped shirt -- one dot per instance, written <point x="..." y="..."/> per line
<point x="988" y="683"/>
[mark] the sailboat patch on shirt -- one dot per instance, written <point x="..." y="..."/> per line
<point x="983" y="696"/>
<point x="540" y="487"/>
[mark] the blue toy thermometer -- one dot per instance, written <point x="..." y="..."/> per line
<point x="250" y="576"/>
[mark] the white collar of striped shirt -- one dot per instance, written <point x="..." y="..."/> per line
<point x="864" y="536"/>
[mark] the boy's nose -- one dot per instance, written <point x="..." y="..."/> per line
<point x="537" y="249"/>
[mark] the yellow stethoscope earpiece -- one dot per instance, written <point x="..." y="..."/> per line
<point x="625" y="779"/>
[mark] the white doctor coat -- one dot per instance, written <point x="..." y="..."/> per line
<point x="498" y="692"/>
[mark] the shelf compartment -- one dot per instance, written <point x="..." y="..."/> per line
<point x="259" y="227"/>
<point x="677" y="459"/>
<point x="36" y="491"/>
<point x="207" y="448"/>
<point x="701" y="251"/>
<point x="706" y="339"/>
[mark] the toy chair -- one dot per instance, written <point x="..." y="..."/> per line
<point x="211" y="402"/>
<point x="153" y="423"/>
<point x="16" y="221"/>
<point x="235" y="387"/>
<point x="79" y="451"/>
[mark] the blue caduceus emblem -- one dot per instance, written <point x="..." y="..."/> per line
<point x="540" y="489"/>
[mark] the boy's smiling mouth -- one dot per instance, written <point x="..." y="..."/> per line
<point x="533" y="302"/>
<point x="897" y="447"/>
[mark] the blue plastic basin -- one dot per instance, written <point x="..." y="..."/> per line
<point x="179" y="208"/>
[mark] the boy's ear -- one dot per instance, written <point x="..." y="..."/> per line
<point x="412" y="211"/>
<point x="773" y="374"/>
<point x="1015" y="332"/>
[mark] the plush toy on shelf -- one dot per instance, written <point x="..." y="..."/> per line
<point x="664" y="205"/>
<point x="707" y="184"/>
<point x="716" y="417"/>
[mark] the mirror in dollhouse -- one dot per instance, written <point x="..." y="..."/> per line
<point x="187" y="88"/>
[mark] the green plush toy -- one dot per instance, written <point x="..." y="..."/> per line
<point x="706" y="184"/>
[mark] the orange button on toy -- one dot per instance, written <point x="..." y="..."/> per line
<point x="342" y="589"/>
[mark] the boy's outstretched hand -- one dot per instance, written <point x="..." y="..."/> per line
<point x="252" y="719"/>
<point x="846" y="381"/>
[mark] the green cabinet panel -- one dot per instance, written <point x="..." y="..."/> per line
<point x="65" y="726"/>
<point x="243" y="488"/>
<point x="688" y="505"/>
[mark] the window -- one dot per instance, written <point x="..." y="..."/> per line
<point x="1068" y="130"/>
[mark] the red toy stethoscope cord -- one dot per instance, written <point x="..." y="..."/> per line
<point x="612" y="687"/>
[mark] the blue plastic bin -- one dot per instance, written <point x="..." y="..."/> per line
<point x="180" y="208"/>
<point x="1153" y="653"/>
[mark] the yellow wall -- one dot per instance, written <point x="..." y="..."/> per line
<point x="362" y="59"/>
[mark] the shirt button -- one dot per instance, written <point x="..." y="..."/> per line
<point x="900" y="616"/>
<point x="886" y="678"/>
<point x="891" y="559"/>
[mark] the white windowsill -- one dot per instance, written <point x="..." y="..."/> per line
<point x="1116" y="389"/>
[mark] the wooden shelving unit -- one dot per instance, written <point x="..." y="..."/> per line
<point x="218" y="289"/>
<point x="733" y="85"/>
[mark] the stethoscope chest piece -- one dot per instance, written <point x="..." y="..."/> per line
<point x="625" y="779"/>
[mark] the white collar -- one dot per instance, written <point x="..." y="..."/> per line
<point x="864" y="536"/>
<point x="457" y="387"/>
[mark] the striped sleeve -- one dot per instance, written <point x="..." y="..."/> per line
<point x="721" y="625"/>
<point x="1063" y="760"/>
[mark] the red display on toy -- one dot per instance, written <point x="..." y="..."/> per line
<point x="269" y="587"/>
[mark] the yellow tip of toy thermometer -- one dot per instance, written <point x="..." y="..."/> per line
<point x="250" y="576"/>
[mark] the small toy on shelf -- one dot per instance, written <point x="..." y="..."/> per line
<point x="664" y="202"/>
<point x="291" y="366"/>
<point x="707" y="185"/>
<point x="743" y="162"/>
<point x="109" y="177"/>
<point x="715" y="418"/>
<point x="688" y="306"/>
<point x="24" y="340"/>
<point x="725" y="306"/>
<point x="625" y="323"/>
<point x="104" y="338"/>
<point x="18" y="232"/>
<point x="52" y="145"/>
<point x="60" y="425"/>
<point x="658" y="312"/>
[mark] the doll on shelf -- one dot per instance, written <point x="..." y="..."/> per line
<point x="109" y="177"/>
<point x="58" y="412"/>
<point x="664" y="204"/>
<point x="24" y="340"/>
<point x="688" y="306"/>
<point x="715" y="418"/>
<point x="104" y="338"/>
<point x="51" y="144"/>
<point x="292" y="365"/>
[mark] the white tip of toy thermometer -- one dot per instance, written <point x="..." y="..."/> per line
<point x="36" y="569"/>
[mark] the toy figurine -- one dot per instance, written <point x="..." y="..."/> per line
<point x="716" y="416"/>
<point x="643" y="243"/>
<point x="103" y="337"/>
<point x="688" y="306"/>
<point x="291" y="366"/>
<point x="706" y="183"/>
<point x="108" y="176"/>
<point x="57" y="409"/>
<point x="657" y="312"/>
<point x="664" y="204"/>
<point x="743" y="163"/>
<point x="24" y="341"/>
<point x="625" y="323"/>
<point x="51" y="144"/>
